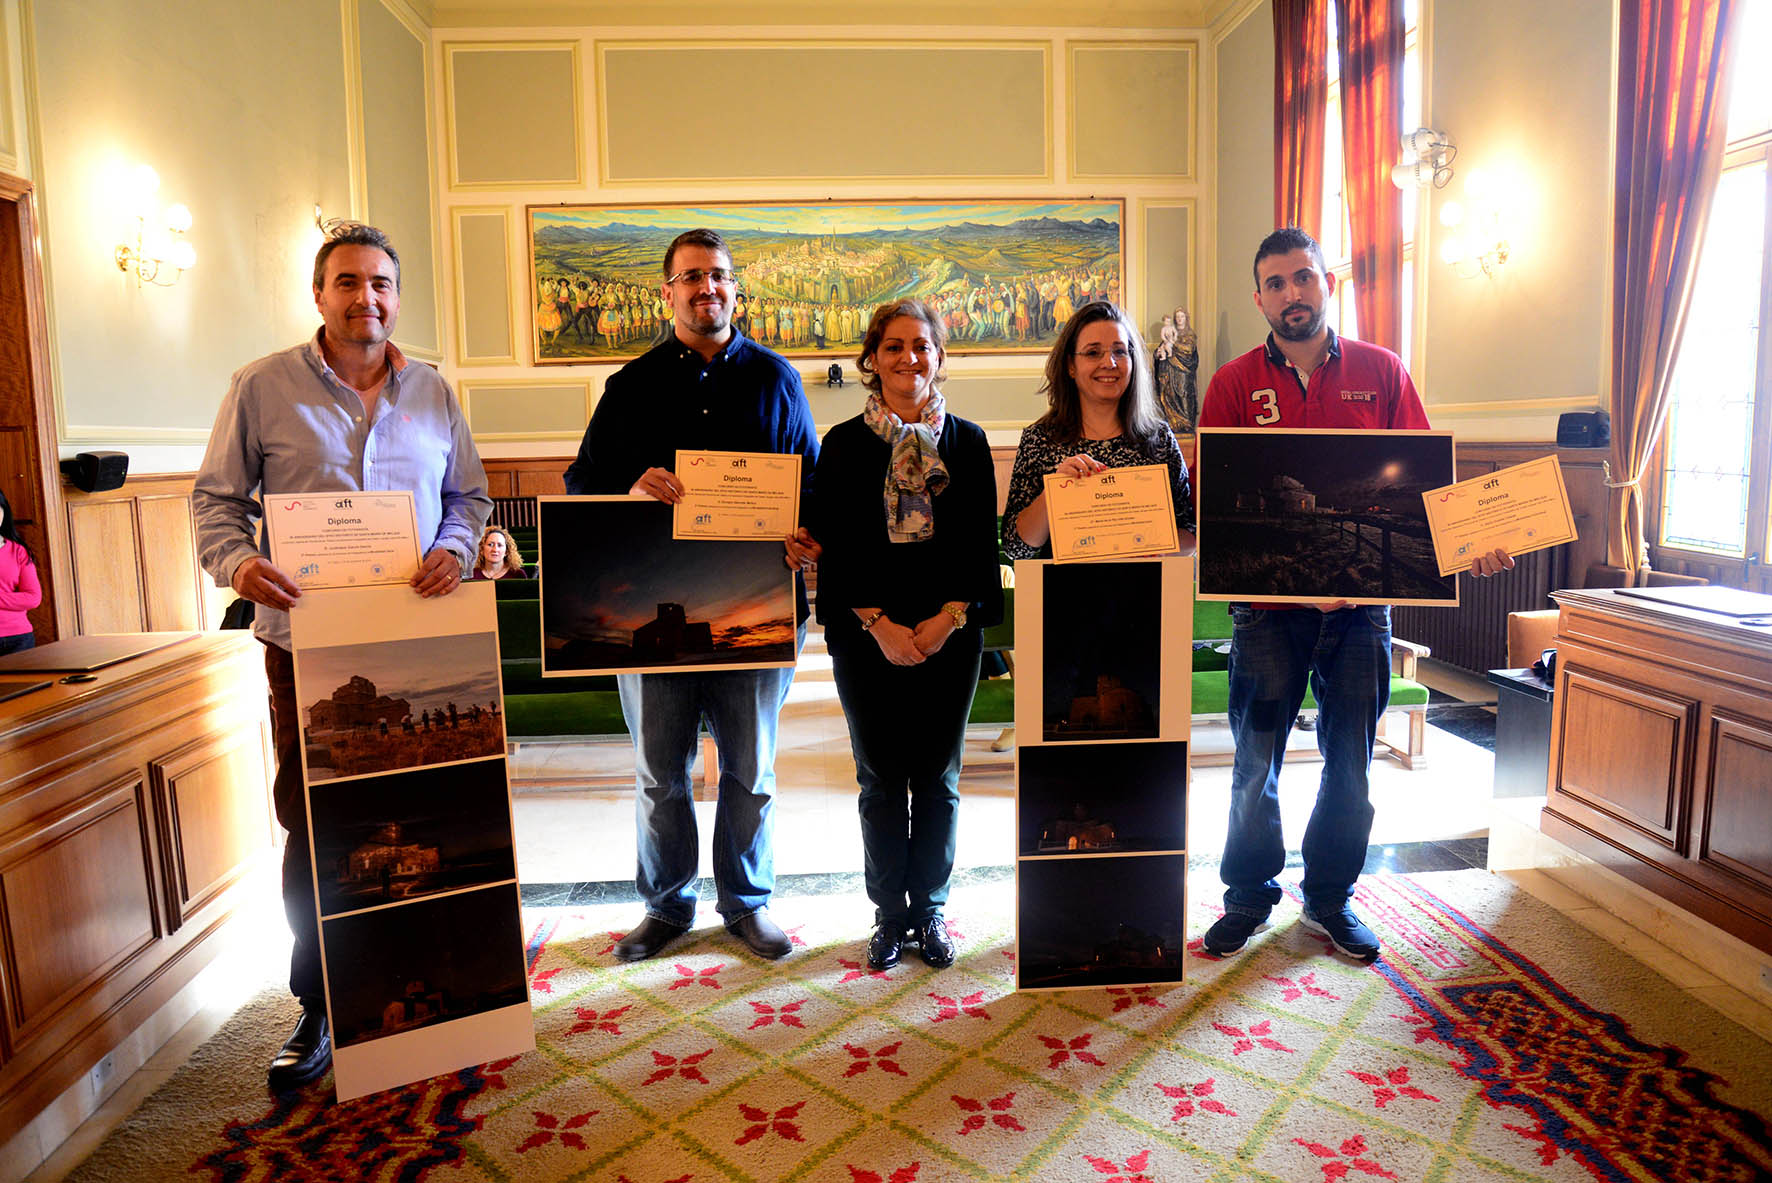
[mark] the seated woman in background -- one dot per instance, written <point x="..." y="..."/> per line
<point x="904" y="503"/>
<point x="19" y="589"/>
<point x="1102" y="413"/>
<point x="499" y="557"/>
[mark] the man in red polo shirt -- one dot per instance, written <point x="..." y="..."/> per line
<point x="1305" y="376"/>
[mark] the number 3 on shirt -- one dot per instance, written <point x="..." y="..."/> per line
<point x="1270" y="407"/>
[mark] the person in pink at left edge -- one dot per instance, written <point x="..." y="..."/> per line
<point x="19" y="590"/>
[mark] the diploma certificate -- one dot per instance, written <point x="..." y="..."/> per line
<point x="730" y="495"/>
<point x="1523" y="508"/>
<point x="1120" y="512"/>
<point x="343" y="539"/>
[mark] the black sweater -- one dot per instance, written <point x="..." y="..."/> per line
<point x="862" y="568"/>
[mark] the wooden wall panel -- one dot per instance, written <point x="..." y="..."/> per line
<point x="527" y="476"/>
<point x="214" y="831"/>
<point x="167" y="543"/>
<point x="76" y="897"/>
<point x="107" y="584"/>
<point x="135" y="559"/>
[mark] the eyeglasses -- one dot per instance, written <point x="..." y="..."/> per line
<point x="1095" y="354"/>
<point x="695" y="277"/>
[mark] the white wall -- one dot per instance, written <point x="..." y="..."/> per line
<point x="1524" y="90"/>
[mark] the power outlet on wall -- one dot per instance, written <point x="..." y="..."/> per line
<point x="100" y="1076"/>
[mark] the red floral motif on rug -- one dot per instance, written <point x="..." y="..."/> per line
<point x="1280" y="1063"/>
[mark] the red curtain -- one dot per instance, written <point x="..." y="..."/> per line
<point x="1672" y="87"/>
<point x="1369" y="46"/>
<point x="1301" y="43"/>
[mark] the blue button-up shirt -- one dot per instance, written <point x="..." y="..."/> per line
<point x="291" y="425"/>
<point x="745" y="399"/>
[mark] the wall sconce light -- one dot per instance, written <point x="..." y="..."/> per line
<point x="160" y="245"/>
<point x="1427" y="159"/>
<point x="1478" y="241"/>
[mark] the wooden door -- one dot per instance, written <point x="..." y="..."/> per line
<point x="28" y="467"/>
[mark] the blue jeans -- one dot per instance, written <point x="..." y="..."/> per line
<point x="907" y="728"/>
<point x="664" y="713"/>
<point x="1346" y="658"/>
<point x="18" y="643"/>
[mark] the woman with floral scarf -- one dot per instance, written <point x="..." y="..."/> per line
<point x="904" y="502"/>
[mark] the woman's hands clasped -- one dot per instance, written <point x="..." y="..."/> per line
<point x="912" y="646"/>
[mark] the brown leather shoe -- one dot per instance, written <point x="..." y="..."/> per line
<point x="761" y="934"/>
<point x="652" y="935"/>
<point x="306" y="1054"/>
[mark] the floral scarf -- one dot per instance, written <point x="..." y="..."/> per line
<point x="915" y="474"/>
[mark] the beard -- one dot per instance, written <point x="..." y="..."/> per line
<point x="710" y="319"/>
<point x="1303" y="331"/>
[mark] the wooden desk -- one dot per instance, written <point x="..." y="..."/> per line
<point x="131" y="808"/>
<point x="1661" y="753"/>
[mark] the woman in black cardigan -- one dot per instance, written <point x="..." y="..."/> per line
<point x="904" y="503"/>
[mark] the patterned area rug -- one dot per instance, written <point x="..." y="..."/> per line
<point x="1495" y="1041"/>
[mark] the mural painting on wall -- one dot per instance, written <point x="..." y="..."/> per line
<point x="1005" y="274"/>
<point x="1175" y="355"/>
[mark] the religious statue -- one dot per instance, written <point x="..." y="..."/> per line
<point x="1177" y="361"/>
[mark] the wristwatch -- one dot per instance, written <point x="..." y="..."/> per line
<point x="957" y="612"/>
<point x="867" y="626"/>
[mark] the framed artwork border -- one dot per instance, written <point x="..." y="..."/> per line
<point x="635" y="252"/>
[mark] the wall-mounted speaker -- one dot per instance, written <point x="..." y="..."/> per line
<point x="94" y="472"/>
<point x="1584" y="429"/>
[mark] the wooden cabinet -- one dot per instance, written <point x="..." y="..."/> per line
<point x="1661" y="753"/>
<point x="131" y="809"/>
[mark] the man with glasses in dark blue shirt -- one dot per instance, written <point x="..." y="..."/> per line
<point x="706" y="387"/>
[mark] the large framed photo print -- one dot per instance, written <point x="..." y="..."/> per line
<point x="1104" y="650"/>
<point x="1103" y="711"/>
<point x="1304" y="516"/>
<point x="1098" y="920"/>
<point x="413" y="854"/>
<point x="620" y="595"/>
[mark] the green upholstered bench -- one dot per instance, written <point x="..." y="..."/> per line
<point x="1211" y="685"/>
<point x="541" y="709"/>
<point x="557" y="710"/>
<point x="994" y="703"/>
<point x="517" y="589"/>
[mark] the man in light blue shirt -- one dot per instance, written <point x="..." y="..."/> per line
<point x="344" y="410"/>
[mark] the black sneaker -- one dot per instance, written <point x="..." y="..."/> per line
<point x="1232" y="931"/>
<point x="934" y="943"/>
<point x="1347" y="933"/>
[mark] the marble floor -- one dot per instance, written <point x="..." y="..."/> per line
<point x="575" y="845"/>
<point x="575" y="806"/>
